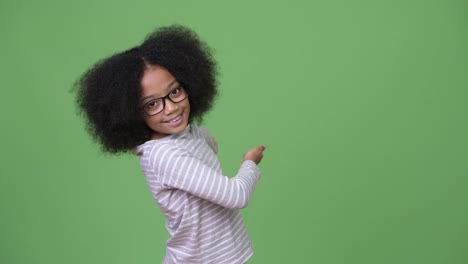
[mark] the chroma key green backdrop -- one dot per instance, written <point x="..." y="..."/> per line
<point x="362" y="104"/>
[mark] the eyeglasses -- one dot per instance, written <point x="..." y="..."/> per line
<point x="157" y="105"/>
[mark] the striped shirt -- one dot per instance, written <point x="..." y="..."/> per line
<point x="201" y="205"/>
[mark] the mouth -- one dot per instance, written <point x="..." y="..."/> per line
<point x="175" y="120"/>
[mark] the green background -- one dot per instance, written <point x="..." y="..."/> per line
<point x="362" y="104"/>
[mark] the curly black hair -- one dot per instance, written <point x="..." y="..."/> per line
<point x="108" y="94"/>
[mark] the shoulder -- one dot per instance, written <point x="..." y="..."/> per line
<point x="198" y="130"/>
<point x="201" y="132"/>
<point x="173" y="144"/>
<point x="157" y="149"/>
<point x="205" y="135"/>
<point x="159" y="155"/>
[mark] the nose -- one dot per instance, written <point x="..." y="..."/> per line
<point x="170" y="106"/>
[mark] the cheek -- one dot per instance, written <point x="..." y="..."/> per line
<point x="151" y="121"/>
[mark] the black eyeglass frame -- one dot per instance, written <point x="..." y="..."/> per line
<point x="164" y="101"/>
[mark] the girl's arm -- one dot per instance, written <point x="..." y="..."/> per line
<point x="178" y="169"/>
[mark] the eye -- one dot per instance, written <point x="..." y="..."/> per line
<point x="176" y="91"/>
<point x="152" y="104"/>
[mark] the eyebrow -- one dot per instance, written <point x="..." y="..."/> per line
<point x="168" y="87"/>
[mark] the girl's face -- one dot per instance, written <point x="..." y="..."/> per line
<point x="159" y="92"/>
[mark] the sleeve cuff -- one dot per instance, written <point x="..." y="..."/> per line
<point x="251" y="166"/>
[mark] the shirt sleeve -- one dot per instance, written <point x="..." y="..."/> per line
<point x="178" y="169"/>
<point x="210" y="140"/>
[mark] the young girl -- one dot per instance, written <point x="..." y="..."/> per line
<point x="146" y="100"/>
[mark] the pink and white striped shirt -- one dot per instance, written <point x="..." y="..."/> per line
<point x="201" y="205"/>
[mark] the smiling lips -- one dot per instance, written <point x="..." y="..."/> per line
<point x="176" y="121"/>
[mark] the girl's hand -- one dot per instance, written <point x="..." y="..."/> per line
<point x="255" y="154"/>
<point x="215" y="143"/>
